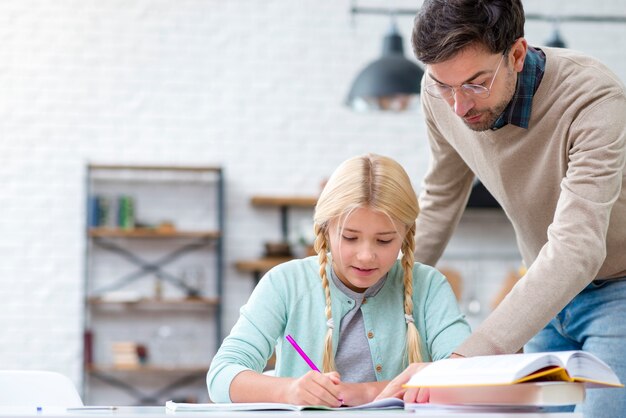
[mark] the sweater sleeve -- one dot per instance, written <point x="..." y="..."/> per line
<point x="445" y="325"/>
<point x="576" y="239"/>
<point x="252" y="340"/>
<point x="443" y="197"/>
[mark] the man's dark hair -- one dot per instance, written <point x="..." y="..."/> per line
<point x="445" y="27"/>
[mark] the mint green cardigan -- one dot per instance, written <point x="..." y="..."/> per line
<point x="289" y="299"/>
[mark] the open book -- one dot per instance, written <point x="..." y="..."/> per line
<point x="507" y="369"/>
<point x="389" y="403"/>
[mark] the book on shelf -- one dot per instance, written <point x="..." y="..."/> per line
<point x="124" y="353"/>
<point x="522" y="394"/>
<point x="388" y="403"/>
<point x="508" y="369"/>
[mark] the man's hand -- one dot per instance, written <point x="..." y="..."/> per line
<point x="413" y="395"/>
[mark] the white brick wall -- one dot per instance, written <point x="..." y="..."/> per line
<point x="256" y="87"/>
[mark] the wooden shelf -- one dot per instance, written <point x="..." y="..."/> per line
<point x="160" y="303"/>
<point x="261" y="264"/>
<point x="118" y="167"/>
<point x="109" y="368"/>
<point x="150" y="233"/>
<point x="284" y="203"/>
<point x="280" y="201"/>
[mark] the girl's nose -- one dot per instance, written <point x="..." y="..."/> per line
<point x="366" y="253"/>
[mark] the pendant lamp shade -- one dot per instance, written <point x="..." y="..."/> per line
<point x="388" y="83"/>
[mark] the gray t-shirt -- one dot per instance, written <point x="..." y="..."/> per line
<point x="353" y="358"/>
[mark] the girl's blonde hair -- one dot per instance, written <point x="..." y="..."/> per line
<point x="380" y="184"/>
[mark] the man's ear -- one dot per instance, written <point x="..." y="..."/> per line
<point x="518" y="51"/>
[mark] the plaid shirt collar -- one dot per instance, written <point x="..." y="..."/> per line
<point x="518" y="110"/>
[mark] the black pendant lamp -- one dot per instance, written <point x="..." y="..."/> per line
<point x="389" y="83"/>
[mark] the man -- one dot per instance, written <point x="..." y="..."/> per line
<point x="545" y="131"/>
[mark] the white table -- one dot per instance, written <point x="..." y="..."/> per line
<point x="160" y="412"/>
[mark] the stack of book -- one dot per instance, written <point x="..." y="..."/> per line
<point x="125" y="354"/>
<point x="529" y="380"/>
<point x="522" y="394"/>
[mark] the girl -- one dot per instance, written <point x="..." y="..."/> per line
<point x="357" y="309"/>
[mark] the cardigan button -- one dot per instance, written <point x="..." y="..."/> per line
<point x="370" y="335"/>
<point x="379" y="368"/>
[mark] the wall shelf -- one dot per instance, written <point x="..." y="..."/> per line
<point x="257" y="267"/>
<point x="284" y="203"/>
<point x="260" y="266"/>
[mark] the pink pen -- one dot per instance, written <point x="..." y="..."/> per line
<point x="302" y="353"/>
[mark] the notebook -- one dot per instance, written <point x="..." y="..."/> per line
<point x="388" y="403"/>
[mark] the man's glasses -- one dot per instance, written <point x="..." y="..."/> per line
<point x="441" y="91"/>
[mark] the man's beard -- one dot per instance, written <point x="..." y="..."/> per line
<point x="490" y="116"/>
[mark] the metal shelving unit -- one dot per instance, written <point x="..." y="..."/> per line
<point x="132" y="289"/>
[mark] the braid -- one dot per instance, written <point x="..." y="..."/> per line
<point x="413" y="343"/>
<point x="321" y="249"/>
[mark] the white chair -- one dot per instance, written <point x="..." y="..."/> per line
<point x="37" y="388"/>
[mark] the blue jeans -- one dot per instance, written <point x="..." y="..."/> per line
<point x="593" y="321"/>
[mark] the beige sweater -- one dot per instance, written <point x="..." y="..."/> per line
<point x="560" y="183"/>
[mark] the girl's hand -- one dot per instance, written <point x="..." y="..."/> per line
<point x="315" y="388"/>
<point x="359" y="393"/>
<point x="394" y="388"/>
<point x="417" y="395"/>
